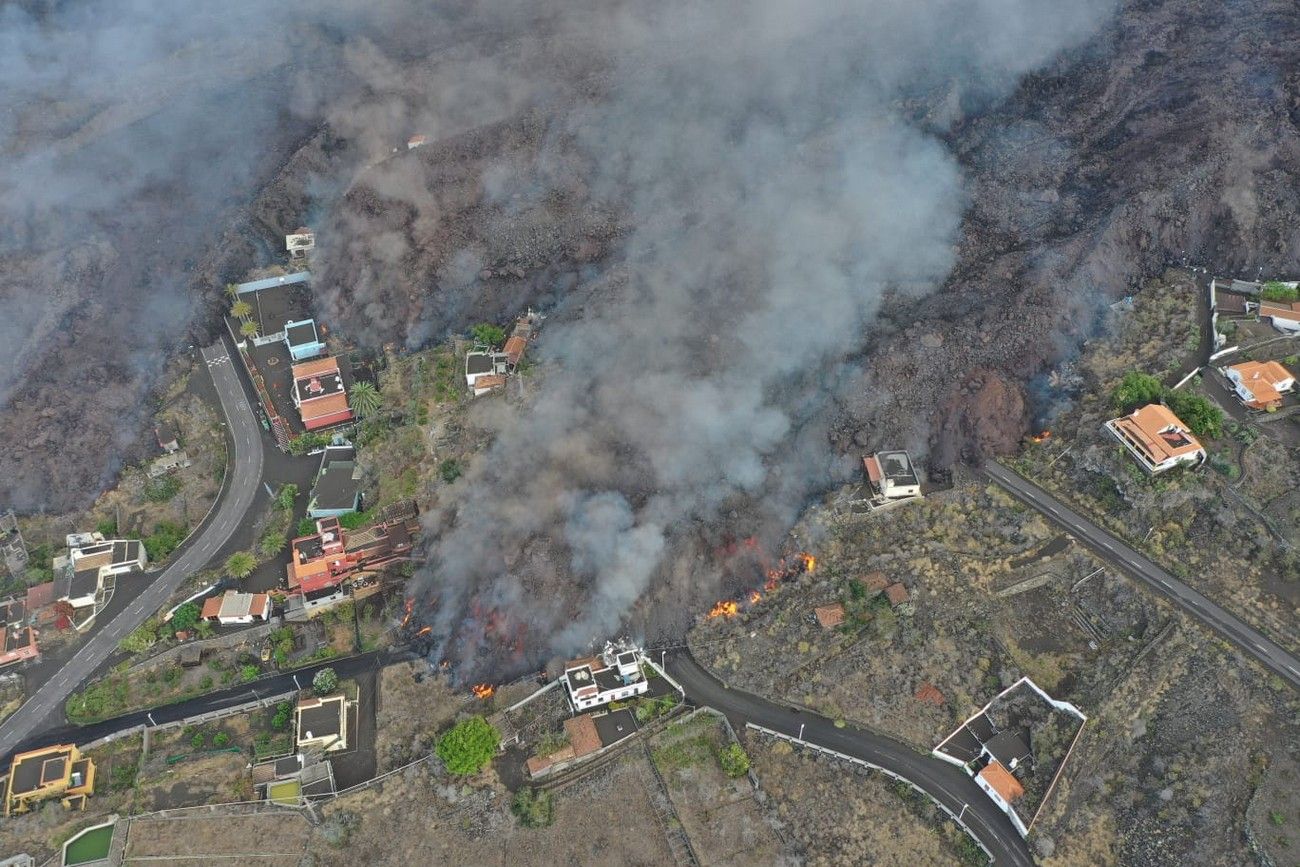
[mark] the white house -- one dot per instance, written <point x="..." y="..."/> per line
<point x="1157" y="438"/>
<point x="1284" y="316"/>
<point x="892" y="475"/>
<point x="613" y="675"/>
<point x="481" y="365"/>
<point x="90" y="561"/>
<point x="234" y="608"/>
<point x="1260" y="384"/>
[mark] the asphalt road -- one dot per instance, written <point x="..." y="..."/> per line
<point x="1271" y="655"/>
<point x="942" y="781"/>
<point x="352" y="667"/>
<point x="243" y="480"/>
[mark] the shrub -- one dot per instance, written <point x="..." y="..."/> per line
<point x="734" y="761"/>
<point x="206" y="682"/>
<point x="468" y="746"/>
<point x="107" y="527"/>
<point x="283" y="716"/>
<point x="301" y="445"/>
<point x="241" y="564"/>
<point x="488" y="334"/>
<point x="284" y="499"/>
<point x="197" y="741"/>
<point x="449" y="470"/>
<point x="143" y="638"/>
<point x="1275" y="291"/>
<point x="167" y="536"/>
<point x="533" y="808"/>
<point x="325" y="681"/>
<point x="1134" y="390"/>
<point x="307" y="526"/>
<point x="249" y="672"/>
<point x="353" y="520"/>
<point x="161" y="489"/>
<point x="271" y="543"/>
<point x="221" y="739"/>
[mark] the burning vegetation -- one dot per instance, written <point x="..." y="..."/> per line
<point x="795" y="564"/>
<point x="483" y="691"/>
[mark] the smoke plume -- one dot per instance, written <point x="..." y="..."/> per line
<point x="779" y="190"/>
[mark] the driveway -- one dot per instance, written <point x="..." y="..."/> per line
<point x="242" y="482"/>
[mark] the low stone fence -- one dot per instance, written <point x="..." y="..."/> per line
<point x="220" y="642"/>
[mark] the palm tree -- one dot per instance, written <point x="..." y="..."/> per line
<point x="240" y="309"/>
<point x="241" y="564"/>
<point x="232" y="289"/>
<point x="249" y="328"/>
<point x="365" y="398"/>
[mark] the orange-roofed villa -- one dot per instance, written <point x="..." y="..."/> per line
<point x="1157" y="438"/>
<point x="1260" y="384"/>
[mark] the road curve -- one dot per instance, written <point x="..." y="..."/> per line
<point x="1110" y="549"/>
<point x="941" y="781"/>
<point x="244" y="474"/>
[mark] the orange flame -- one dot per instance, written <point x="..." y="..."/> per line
<point x="725" y="608"/>
<point x="755" y="597"/>
<point x="1045" y="435"/>
<point x="484" y="690"/>
<point x="410" y="606"/>
<point x="809" y="561"/>
<point x="424" y="630"/>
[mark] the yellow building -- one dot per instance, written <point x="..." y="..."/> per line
<point x="52" y="772"/>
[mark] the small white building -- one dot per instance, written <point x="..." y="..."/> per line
<point x="300" y="243"/>
<point x="892" y="475"/>
<point x="485" y="370"/>
<point x="613" y="675"/>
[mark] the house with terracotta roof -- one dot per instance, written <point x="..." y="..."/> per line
<point x="1284" y="316"/>
<point x="1260" y="384"/>
<point x="319" y="393"/>
<point x="873" y="583"/>
<point x="1157" y="438"/>
<point x="896" y="593"/>
<point x="233" y="608"/>
<point x="995" y="747"/>
<point x="59" y="771"/>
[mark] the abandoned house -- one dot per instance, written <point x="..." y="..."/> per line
<point x="891" y="475"/>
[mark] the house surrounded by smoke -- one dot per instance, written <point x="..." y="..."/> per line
<point x="891" y="477"/>
<point x="487" y="369"/>
<point x="615" y="674"/>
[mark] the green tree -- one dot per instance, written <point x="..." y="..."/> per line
<point x="144" y="637"/>
<point x="488" y="334"/>
<point x="325" y="681"/>
<point x="241" y="564"/>
<point x="533" y="807"/>
<point x="365" y="398"/>
<point x="248" y="328"/>
<point x="734" y="761"/>
<point x="241" y="309"/>
<point x="186" y="617"/>
<point x="1204" y="418"/>
<point x="1134" y="390"/>
<point x="283" y="716"/>
<point x="468" y="746"/>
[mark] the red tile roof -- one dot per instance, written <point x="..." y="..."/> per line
<point x="926" y="693"/>
<point x="874" y="582"/>
<point x="583" y="736"/>
<point x="1002" y="781"/>
<point x="829" y="616"/>
<point x="896" y="593"/>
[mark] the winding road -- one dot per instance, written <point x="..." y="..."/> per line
<point x="243" y="479"/>
<point x="1110" y="549"/>
<point x="941" y="781"/>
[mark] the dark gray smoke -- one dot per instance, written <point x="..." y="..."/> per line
<point x="131" y="134"/>
<point x="779" y="189"/>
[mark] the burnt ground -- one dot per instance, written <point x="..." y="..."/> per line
<point x="1170" y="135"/>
